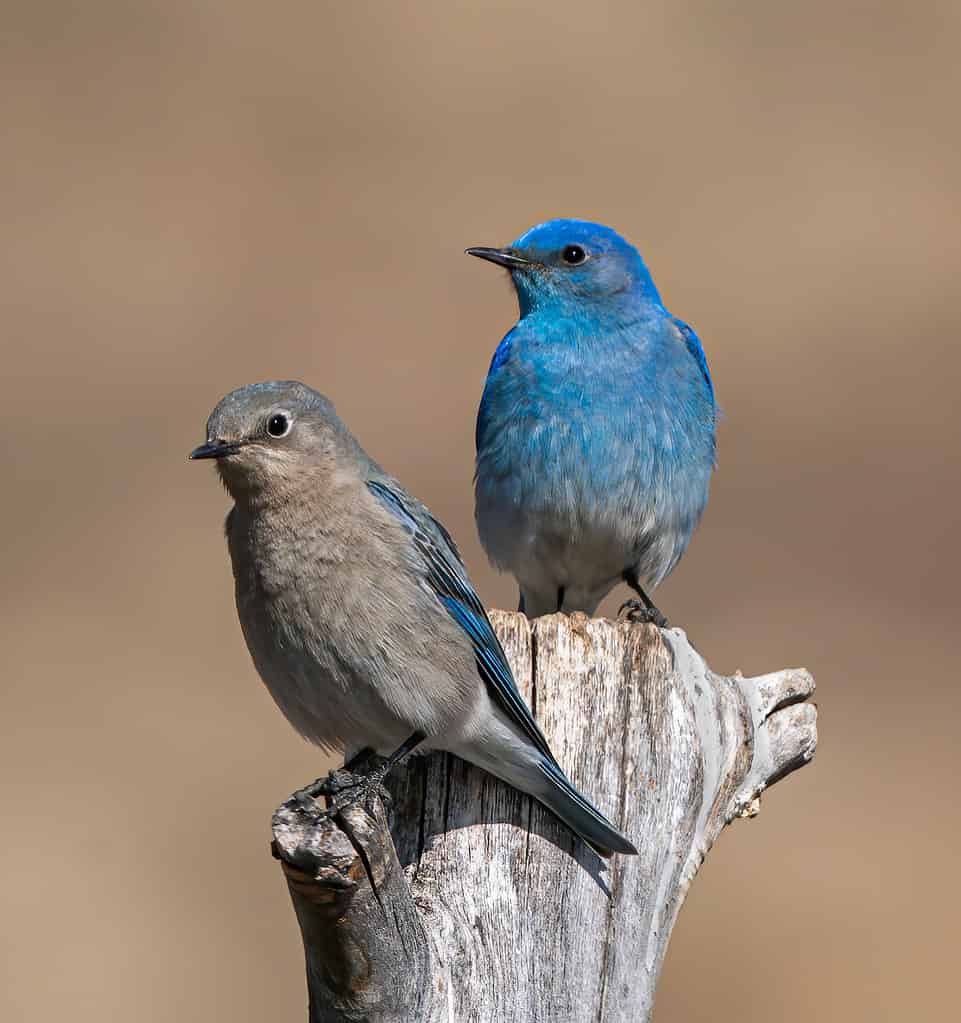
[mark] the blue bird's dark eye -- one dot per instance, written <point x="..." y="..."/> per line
<point x="278" y="425"/>
<point x="573" y="255"/>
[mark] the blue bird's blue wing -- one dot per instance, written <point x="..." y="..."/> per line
<point x="447" y="577"/>
<point x="499" y="358"/>
<point x="694" y="347"/>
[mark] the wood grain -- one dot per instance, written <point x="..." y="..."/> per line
<point x="476" y="904"/>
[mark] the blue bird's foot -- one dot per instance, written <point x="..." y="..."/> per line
<point x="642" y="610"/>
<point x="637" y="612"/>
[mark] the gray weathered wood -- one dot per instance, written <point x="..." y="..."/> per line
<point x="484" y="908"/>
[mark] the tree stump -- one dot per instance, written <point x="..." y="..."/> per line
<point x="473" y="904"/>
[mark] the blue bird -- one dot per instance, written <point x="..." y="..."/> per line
<point x="595" y="433"/>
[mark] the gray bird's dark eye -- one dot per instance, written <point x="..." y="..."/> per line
<point x="573" y="255"/>
<point x="278" y="425"/>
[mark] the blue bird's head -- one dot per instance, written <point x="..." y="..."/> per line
<point x="575" y="266"/>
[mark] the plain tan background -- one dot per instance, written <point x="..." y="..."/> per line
<point x="198" y="195"/>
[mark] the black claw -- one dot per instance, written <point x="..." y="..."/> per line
<point x="637" y="612"/>
<point x="359" y="792"/>
<point x="642" y="610"/>
<point x="359" y="781"/>
<point x="344" y="787"/>
<point x="306" y="797"/>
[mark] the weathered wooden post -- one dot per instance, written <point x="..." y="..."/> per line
<point x="477" y="906"/>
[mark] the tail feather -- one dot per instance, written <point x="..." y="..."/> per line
<point x="574" y="811"/>
<point x="528" y="770"/>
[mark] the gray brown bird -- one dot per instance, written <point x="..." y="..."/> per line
<point x="356" y="607"/>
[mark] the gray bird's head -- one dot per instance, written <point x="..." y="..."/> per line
<point x="265" y="436"/>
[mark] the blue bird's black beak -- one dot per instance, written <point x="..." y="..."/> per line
<point x="213" y="449"/>
<point x="502" y="257"/>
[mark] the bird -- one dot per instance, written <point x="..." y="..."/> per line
<point x="595" y="436"/>
<point x="357" y="609"/>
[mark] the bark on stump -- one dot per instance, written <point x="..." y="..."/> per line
<point x="474" y="905"/>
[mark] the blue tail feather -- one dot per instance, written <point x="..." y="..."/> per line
<point x="579" y="815"/>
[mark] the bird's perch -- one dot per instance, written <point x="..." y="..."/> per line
<point x="477" y="905"/>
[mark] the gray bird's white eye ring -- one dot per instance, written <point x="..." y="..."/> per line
<point x="279" y="424"/>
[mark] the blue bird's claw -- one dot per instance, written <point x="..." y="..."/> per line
<point x="637" y="612"/>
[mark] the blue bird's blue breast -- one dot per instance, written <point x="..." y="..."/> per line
<point x="595" y="446"/>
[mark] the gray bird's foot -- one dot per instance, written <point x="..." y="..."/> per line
<point x="364" y="791"/>
<point x="637" y="612"/>
<point x="356" y="782"/>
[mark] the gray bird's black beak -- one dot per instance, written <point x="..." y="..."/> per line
<point x="213" y="449"/>
<point x="502" y="257"/>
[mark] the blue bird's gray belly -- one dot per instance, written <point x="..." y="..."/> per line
<point x="550" y="548"/>
<point x="578" y="524"/>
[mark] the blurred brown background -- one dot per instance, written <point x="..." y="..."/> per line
<point x="198" y="195"/>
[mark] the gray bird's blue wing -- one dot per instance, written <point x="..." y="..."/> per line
<point x="446" y="575"/>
